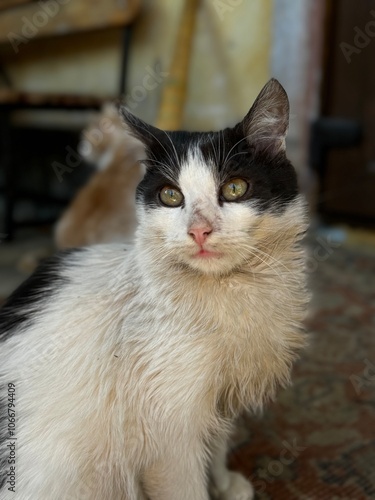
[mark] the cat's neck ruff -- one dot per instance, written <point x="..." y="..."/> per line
<point x="247" y="320"/>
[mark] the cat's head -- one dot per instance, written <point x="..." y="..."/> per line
<point x="216" y="201"/>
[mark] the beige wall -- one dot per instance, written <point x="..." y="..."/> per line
<point x="230" y="60"/>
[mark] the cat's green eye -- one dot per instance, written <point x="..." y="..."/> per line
<point x="234" y="189"/>
<point x="171" y="197"/>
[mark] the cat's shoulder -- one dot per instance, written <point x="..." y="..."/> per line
<point x="21" y="304"/>
<point x="83" y="268"/>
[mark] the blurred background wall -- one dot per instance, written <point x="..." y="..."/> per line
<point x="237" y="46"/>
<point x="230" y="59"/>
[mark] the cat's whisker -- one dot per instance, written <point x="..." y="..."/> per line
<point x="281" y="276"/>
<point x="231" y="149"/>
<point x="221" y="151"/>
<point x="233" y="156"/>
<point x="167" y="170"/>
<point x="267" y="256"/>
<point x="173" y="146"/>
<point x="214" y="150"/>
<point x="148" y="132"/>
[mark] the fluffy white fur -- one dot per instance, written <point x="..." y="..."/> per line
<point x="110" y="377"/>
<point x="129" y="380"/>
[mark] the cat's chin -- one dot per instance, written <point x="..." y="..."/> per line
<point x="211" y="263"/>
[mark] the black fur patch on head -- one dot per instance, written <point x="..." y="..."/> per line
<point x="19" y="309"/>
<point x="272" y="179"/>
<point x="253" y="150"/>
<point x="165" y="157"/>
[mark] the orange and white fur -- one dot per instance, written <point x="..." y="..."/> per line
<point x="131" y="362"/>
<point x="103" y="211"/>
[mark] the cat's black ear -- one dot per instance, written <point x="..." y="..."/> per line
<point x="141" y="130"/>
<point x="266" y="124"/>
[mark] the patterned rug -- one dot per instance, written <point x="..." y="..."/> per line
<point x="317" y="442"/>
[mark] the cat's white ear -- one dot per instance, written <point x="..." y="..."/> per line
<point x="266" y="124"/>
<point x="139" y="129"/>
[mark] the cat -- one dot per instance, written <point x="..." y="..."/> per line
<point x="129" y="364"/>
<point x="103" y="210"/>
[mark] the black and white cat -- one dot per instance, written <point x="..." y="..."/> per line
<point x="130" y="363"/>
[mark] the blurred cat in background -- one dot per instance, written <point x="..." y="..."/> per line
<point x="104" y="209"/>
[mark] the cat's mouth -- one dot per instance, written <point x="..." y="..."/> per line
<point x="207" y="254"/>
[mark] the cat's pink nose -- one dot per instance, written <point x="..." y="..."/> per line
<point x="200" y="233"/>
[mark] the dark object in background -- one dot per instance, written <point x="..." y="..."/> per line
<point x="40" y="195"/>
<point x="329" y="134"/>
<point x="332" y="133"/>
<point x="348" y="184"/>
<point x="76" y="17"/>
